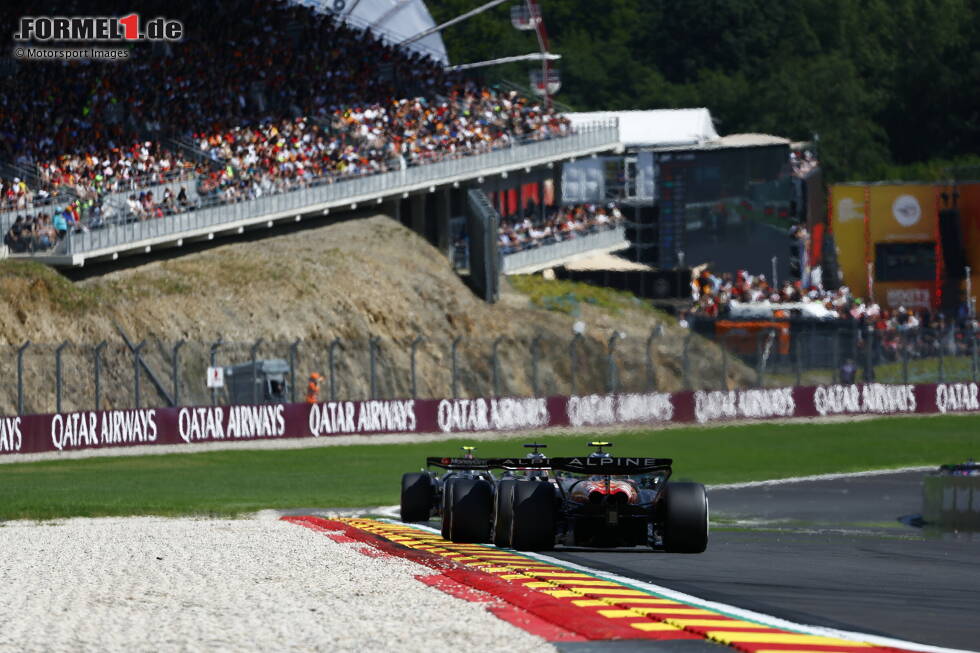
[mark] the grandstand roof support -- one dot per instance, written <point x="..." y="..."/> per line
<point x="534" y="56"/>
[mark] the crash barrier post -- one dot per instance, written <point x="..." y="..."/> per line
<point x="214" y="363"/>
<point x="57" y="375"/>
<point x="20" y="376"/>
<point x="332" y="364"/>
<point x="455" y="365"/>
<point x="495" y="366"/>
<point x="293" y="355"/>
<point x="951" y="502"/>
<point x="941" y="350"/>
<point x="535" y="353"/>
<point x="415" y="346"/>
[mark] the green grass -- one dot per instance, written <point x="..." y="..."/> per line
<point x="235" y="482"/>
<point x="568" y="296"/>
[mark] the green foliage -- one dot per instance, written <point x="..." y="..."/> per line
<point x="43" y="283"/>
<point x="235" y="482"/>
<point x="566" y="296"/>
<point x="882" y="83"/>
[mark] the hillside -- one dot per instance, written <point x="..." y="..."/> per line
<point x="350" y="280"/>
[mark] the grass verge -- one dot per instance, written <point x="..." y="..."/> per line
<point x="234" y="482"/>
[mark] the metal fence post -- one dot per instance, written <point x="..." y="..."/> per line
<point x="57" y="376"/>
<point x="904" y="339"/>
<point x="136" y="371"/>
<point x="655" y="332"/>
<point x="535" y="353"/>
<point x="97" y="353"/>
<point x="573" y="359"/>
<point x="495" y="365"/>
<point x="941" y="346"/>
<point x="798" y="356"/>
<point x="836" y="348"/>
<point x="973" y="351"/>
<point x="214" y="363"/>
<point x="331" y="362"/>
<point x="612" y="381"/>
<point x="293" y="354"/>
<point x="455" y="365"/>
<point x="373" y="344"/>
<point x="686" y="361"/>
<point x="20" y="377"/>
<point x="175" y="369"/>
<point x="724" y="362"/>
<point x="763" y="351"/>
<point x="415" y="346"/>
<point x="255" y="377"/>
<point x="869" y="365"/>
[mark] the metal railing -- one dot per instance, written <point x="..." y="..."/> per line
<point x="337" y="191"/>
<point x="557" y="250"/>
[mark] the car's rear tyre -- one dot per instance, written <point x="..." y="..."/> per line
<point x="685" y="518"/>
<point x="533" y="521"/>
<point x="417" y="497"/>
<point x="471" y="510"/>
<point x="503" y="513"/>
<point x="447" y="507"/>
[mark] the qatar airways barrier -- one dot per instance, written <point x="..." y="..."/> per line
<point x="190" y="425"/>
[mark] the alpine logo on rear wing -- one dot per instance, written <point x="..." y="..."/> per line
<point x="619" y="465"/>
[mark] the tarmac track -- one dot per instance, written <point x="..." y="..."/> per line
<point x="830" y="553"/>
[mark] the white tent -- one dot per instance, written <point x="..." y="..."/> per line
<point x="658" y="127"/>
<point x="395" y="20"/>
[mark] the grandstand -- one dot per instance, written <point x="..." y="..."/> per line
<point x="287" y="113"/>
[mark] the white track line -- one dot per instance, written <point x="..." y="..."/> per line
<point x="741" y="613"/>
<point x="820" y="477"/>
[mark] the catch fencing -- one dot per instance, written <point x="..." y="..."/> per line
<point x="810" y="352"/>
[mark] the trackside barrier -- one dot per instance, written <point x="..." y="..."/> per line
<point x="190" y="425"/>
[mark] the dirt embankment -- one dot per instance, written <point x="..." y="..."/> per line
<point x="353" y="281"/>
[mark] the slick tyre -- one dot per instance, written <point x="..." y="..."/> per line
<point x="471" y="510"/>
<point x="447" y="507"/>
<point x="417" y="495"/>
<point x="503" y="513"/>
<point x="685" y="518"/>
<point x="533" y="522"/>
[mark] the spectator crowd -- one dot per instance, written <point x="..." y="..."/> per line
<point x="559" y="223"/>
<point x="279" y="97"/>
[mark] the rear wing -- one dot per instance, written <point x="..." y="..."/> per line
<point x="610" y="465"/>
<point x="457" y="463"/>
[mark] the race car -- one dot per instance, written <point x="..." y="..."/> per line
<point x="597" y="500"/>
<point x="425" y="493"/>
<point x="600" y="501"/>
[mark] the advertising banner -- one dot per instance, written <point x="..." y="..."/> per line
<point x="191" y="425"/>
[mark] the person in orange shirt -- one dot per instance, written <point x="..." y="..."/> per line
<point x="313" y="388"/>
